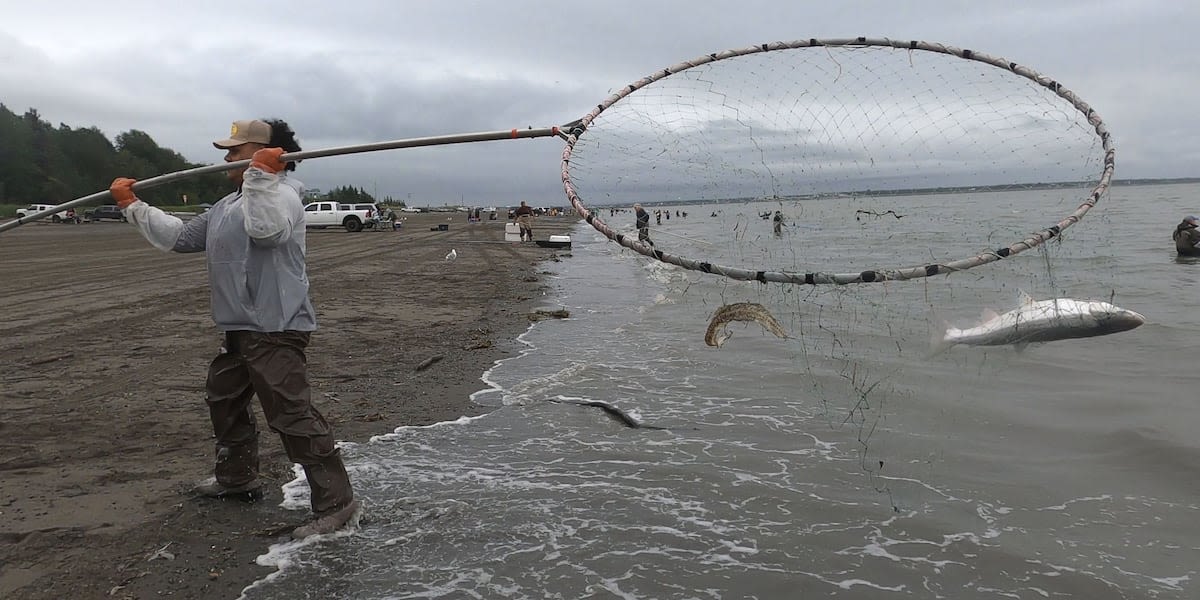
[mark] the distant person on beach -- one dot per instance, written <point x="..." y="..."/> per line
<point x="778" y="219"/>
<point x="643" y="224"/>
<point x="523" y="215"/>
<point x="1187" y="236"/>
<point x="255" y="245"/>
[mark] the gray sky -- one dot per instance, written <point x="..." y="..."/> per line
<point x="359" y="71"/>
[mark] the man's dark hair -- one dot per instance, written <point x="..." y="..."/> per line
<point x="282" y="136"/>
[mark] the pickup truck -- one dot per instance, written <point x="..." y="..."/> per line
<point x="107" y="211"/>
<point x="324" y="214"/>
<point x="54" y="218"/>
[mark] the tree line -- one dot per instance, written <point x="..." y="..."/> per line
<point x="348" y="195"/>
<point x="43" y="164"/>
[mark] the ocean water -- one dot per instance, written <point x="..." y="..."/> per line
<point x="846" y="460"/>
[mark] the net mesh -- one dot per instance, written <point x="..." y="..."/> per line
<point x="868" y="122"/>
<point x="810" y="163"/>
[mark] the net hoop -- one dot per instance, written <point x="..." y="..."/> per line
<point x="867" y="276"/>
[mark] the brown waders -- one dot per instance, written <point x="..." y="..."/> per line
<point x="273" y="366"/>
<point x="644" y="235"/>
<point x="525" y="224"/>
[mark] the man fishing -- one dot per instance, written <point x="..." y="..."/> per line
<point x="524" y="218"/>
<point x="1187" y="237"/>
<point x="254" y="242"/>
<point x="643" y="224"/>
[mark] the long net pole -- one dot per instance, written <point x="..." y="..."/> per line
<point x="145" y="184"/>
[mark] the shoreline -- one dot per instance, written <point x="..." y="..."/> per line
<point x="107" y="429"/>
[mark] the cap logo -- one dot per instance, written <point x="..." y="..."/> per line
<point x="233" y="131"/>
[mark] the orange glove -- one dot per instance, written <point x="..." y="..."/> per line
<point x="267" y="159"/>
<point x="122" y="191"/>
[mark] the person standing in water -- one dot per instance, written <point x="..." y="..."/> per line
<point x="1187" y="236"/>
<point x="643" y="224"/>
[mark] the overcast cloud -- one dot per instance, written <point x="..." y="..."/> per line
<point x="360" y="71"/>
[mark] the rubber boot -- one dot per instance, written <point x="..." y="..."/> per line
<point x="330" y="485"/>
<point x="237" y="464"/>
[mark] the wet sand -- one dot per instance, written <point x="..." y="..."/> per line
<point x="104" y="431"/>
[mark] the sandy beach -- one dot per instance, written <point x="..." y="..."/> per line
<point x="104" y="429"/>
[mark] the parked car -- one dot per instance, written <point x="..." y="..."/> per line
<point x="324" y="214"/>
<point x="374" y="213"/>
<point x="37" y="208"/>
<point x="107" y="211"/>
<point x="372" y="209"/>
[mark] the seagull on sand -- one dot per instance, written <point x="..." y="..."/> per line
<point x="453" y="255"/>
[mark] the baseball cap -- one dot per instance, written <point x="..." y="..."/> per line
<point x="242" y="132"/>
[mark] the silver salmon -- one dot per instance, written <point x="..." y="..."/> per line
<point x="1041" y="321"/>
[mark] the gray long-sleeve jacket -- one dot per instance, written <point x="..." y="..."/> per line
<point x="254" y="243"/>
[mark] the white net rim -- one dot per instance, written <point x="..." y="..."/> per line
<point x="876" y="275"/>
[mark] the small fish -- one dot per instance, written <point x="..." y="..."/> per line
<point x="1041" y="321"/>
<point x="429" y="362"/>
<point x="615" y="413"/>
<point x="740" y="311"/>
